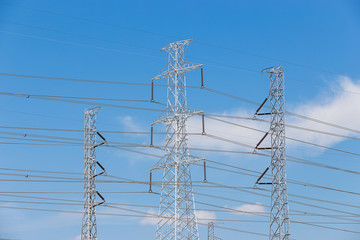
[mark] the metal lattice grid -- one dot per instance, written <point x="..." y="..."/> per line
<point x="279" y="214"/>
<point x="211" y="232"/>
<point x="177" y="217"/>
<point x="89" y="228"/>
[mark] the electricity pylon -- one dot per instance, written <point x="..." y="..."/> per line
<point x="89" y="228"/>
<point x="177" y="217"/>
<point x="211" y="232"/>
<point x="279" y="218"/>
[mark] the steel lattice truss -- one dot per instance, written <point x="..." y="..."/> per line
<point x="177" y="219"/>
<point x="89" y="228"/>
<point x="279" y="219"/>
<point x="211" y="231"/>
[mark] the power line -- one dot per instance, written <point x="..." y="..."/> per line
<point x="198" y="149"/>
<point x="62" y="192"/>
<point x="76" y="79"/>
<point x="144" y="214"/>
<point x="290" y="138"/>
<point x="153" y="33"/>
<point x="40" y="115"/>
<point x="147" y="215"/>
<point x="87" y="20"/>
<point x="205" y="88"/>
<point x="327" y="227"/>
<point x="40" y="171"/>
<point x="26" y="135"/>
<point x="289" y="180"/>
<point x="134" y="181"/>
<point x="39" y="144"/>
<point x="287" y="125"/>
<point x="88" y="80"/>
<point x="290" y="113"/>
<point x="81" y="102"/>
<point x="153" y="155"/>
<point x="229" y="151"/>
<point x="312" y="163"/>
<point x="322" y="132"/>
<point x="78" y="35"/>
<point x="300" y="213"/>
<point x="301" y="203"/>
<point x="77" y="202"/>
<point x="289" y="158"/>
<point x="78" y="44"/>
<point x="197" y="202"/>
<point x="75" y="97"/>
<point x="42" y="140"/>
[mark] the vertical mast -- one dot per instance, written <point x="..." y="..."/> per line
<point x="177" y="218"/>
<point x="279" y="218"/>
<point x="89" y="228"/>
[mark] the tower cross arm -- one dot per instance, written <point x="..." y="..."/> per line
<point x="186" y="67"/>
<point x="165" y="119"/>
<point x="179" y="163"/>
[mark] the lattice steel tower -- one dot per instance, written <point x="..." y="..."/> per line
<point x="279" y="218"/>
<point x="177" y="218"/>
<point x="89" y="228"/>
<point x="211" y="231"/>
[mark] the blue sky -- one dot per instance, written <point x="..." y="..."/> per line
<point x="315" y="42"/>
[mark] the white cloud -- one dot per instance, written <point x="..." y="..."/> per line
<point x="204" y="217"/>
<point x="77" y="238"/>
<point x="250" y="209"/>
<point x="227" y="131"/>
<point x="337" y="107"/>
<point x="129" y="123"/>
<point x="150" y="219"/>
<point x="14" y="220"/>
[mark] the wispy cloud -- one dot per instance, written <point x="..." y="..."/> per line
<point x="226" y="131"/>
<point x="250" y="209"/>
<point x="13" y="221"/>
<point x="338" y="107"/>
<point x="129" y="123"/>
<point x="150" y="219"/>
<point x="77" y="238"/>
<point x="204" y="217"/>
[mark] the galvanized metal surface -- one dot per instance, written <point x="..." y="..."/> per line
<point x="177" y="216"/>
<point x="89" y="228"/>
<point x="279" y="212"/>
